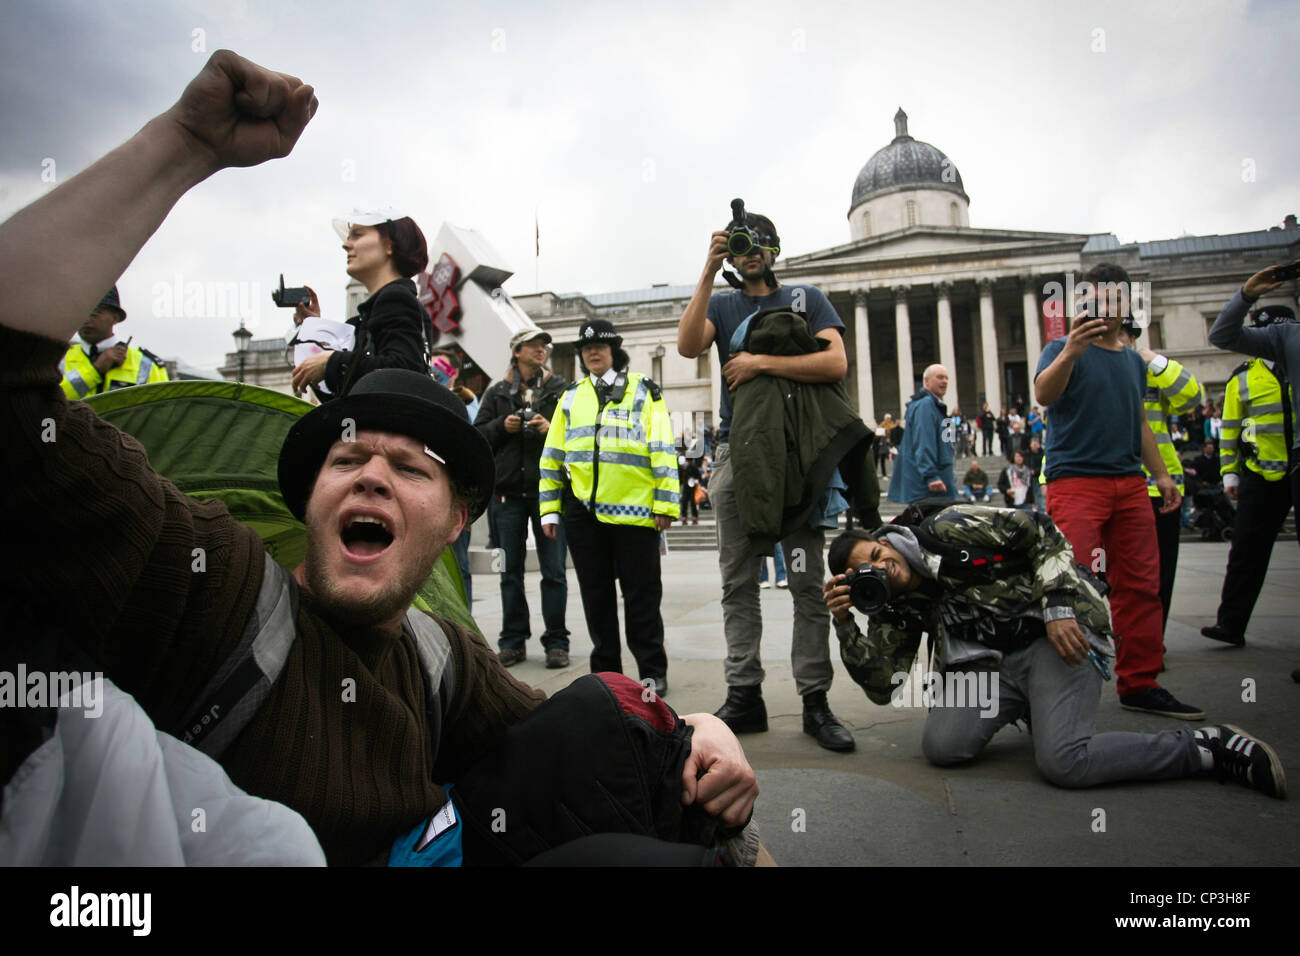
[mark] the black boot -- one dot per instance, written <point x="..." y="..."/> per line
<point x="743" y="710"/>
<point x="819" y="722"/>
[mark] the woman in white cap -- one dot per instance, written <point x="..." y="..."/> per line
<point x="384" y="249"/>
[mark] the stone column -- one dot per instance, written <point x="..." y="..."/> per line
<point x="1033" y="329"/>
<point x="903" y="331"/>
<point x="862" y="356"/>
<point x="947" y="354"/>
<point x="989" y="348"/>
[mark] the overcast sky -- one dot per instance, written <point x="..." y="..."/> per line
<point x="627" y="128"/>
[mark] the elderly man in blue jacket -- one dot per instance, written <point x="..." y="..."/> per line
<point x="925" y="457"/>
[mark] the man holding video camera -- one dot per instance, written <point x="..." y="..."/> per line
<point x="1003" y="602"/>
<point x="751" y="245"/>
<point x="515" y="417"/>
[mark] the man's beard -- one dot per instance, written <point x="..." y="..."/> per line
<point x="350" y="610"/>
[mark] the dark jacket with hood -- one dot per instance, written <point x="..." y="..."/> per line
<point x="787" y="438"/>
<point x="517" y="455"/>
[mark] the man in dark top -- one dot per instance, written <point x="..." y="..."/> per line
<point x="384" y="479"/>
<point x="712" y="319"/>
<point x="529" y="386"/>
<point x="1205" y="467"/>
<point x="1092" y="387"/>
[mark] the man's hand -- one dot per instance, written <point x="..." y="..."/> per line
<point x="1230" y="491"/>
<point x="1261" y="283"/>
<point x="550" y="530"/>
<point x="717" y="252"/>
<point x="1068" y="640"/>
<point x="111" y="358"/>
<point x="514" y="424"/>
<point x="539" y="424"/>
<point x="836" y="595"/>
<point x="742" y="367"/>
<point x="311" y="371"/>
<point x="727" y="789"/>
<point x="937" y="485"/>
<point x="663" y="522"/>
<point x="237" y="113"/>
<point x="304" y="309"/>
<point x="1170" y="497"/>
<point x="1083" y="335"/>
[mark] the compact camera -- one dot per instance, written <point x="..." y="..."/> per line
<point x="288" y="298"/>
<point x="869" y="588"/>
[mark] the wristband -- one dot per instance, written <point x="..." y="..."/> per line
<point x="1060" y="612"/>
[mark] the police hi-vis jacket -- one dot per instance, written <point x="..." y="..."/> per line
<point x="1255" y="409"/>
<point x="1172" y="390"/>
<point x="81" y="378"/>
<point x="619" y="459"/>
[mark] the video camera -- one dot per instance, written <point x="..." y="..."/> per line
<point x="742" y="238"/>
<point x="289" y="298"/>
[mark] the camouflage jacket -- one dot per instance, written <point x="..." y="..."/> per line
<point x="957" y="611"/>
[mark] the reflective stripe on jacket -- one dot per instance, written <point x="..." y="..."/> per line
<point x="620" y="460"/>
<point x="81" y="378"/>
<point x="1254" y="422"/>
<point x="1175" y="391"/>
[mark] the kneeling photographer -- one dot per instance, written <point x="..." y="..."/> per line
<point x="1007" y="610"/>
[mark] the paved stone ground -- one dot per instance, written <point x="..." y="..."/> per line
<point x="883" y="804"/>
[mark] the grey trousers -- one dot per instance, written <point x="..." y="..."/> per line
<point x="1062" y="701"/>
<point x="742" y="619"/>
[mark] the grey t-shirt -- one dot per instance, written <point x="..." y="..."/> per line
<point x="727" y="310"/>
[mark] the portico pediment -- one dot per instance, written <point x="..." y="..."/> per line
<point x="939" y="242"/>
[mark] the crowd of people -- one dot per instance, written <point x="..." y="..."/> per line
<point x="1038" y="590"/>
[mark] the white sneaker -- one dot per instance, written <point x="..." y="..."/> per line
<point x="783" y="583"/>
<point x="764" y="584"/>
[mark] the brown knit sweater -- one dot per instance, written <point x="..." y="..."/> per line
<point x="100" y="551"/>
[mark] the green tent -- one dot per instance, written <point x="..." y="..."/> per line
<point x="222" y="440"/>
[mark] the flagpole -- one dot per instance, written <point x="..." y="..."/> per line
<point x="537" y="252"/>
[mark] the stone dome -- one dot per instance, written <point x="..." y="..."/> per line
<point x="906" y="163"/>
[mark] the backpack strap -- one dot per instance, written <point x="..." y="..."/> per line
<point x="242" y="684"/>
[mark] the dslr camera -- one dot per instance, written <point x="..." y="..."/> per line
<point x="869" y="588"/>
<point x="526" y="414"/>
<point x="289" y="298"/>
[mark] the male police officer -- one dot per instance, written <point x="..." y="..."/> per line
<point x="613" y="437"/>
<point x="1253" y="462"/>
<point x="97" y="360"/>
<point x="1171" y="390"/>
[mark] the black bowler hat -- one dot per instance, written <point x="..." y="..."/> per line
<point x="111" y="301"/>
<point x="393" y="400"/>
<point x="601" y="332"/>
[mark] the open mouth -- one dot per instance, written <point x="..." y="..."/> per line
<point x="365" y="536"/>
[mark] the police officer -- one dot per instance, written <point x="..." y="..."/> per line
<point x="98" y="361"/>
<point x="1257" y="431"/>
<point x="612" y="443"/>
<point x="1171" y="390"/>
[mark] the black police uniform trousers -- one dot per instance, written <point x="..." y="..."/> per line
<point x="1261" y="508"/>
<point x="1169" y="529"/>
<point x="603" y="553"/>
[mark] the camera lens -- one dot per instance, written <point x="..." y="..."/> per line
<point x="739" y="244"/>
<point x="869" y="589"/>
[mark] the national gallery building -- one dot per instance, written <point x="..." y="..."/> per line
<point x="917" y="284"/>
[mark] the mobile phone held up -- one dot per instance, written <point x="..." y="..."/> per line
<point x="1286" y="273"/>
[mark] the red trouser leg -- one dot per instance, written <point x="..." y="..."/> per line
<point x="1110" y="526"/>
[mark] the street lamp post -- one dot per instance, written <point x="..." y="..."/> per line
<point x="242" y="338"/>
